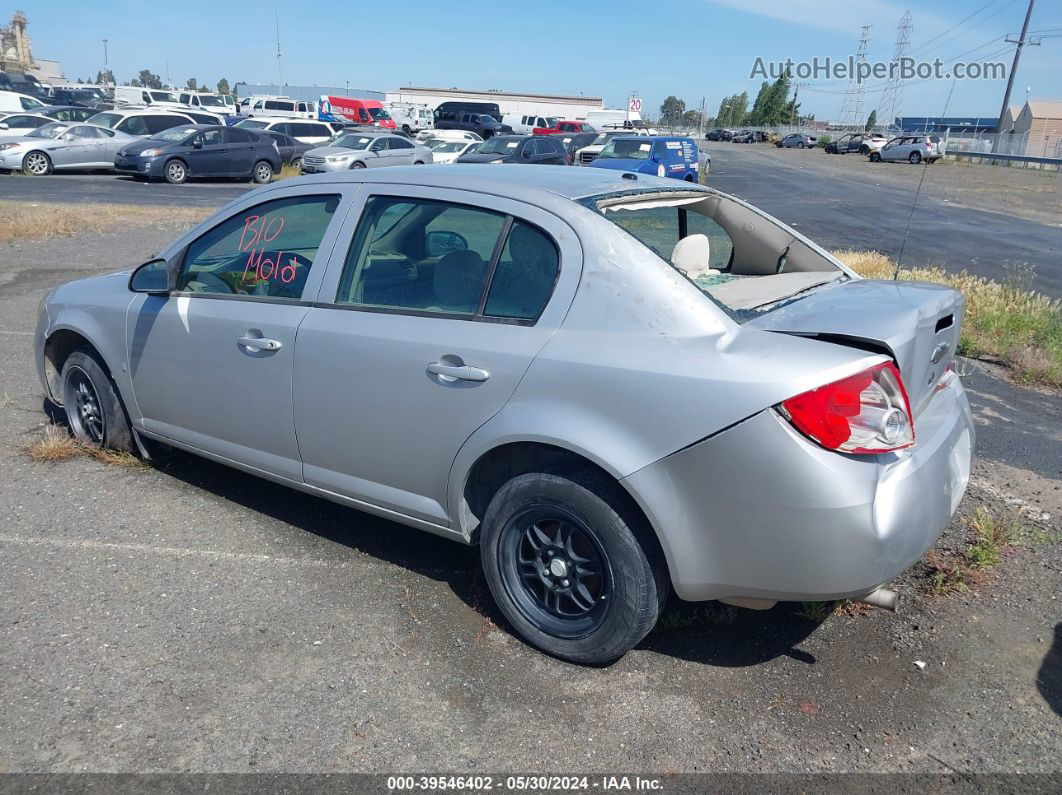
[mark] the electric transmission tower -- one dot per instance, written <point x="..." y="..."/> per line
<point x="852" y="106"/>
<point x="892" y="97"/>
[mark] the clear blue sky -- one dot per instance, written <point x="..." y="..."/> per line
<point x="690" y="48"/>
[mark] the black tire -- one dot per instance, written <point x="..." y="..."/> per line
<point x="297" y="163"/>
<point x="605" y="590"/>
<point x="176" y="172"/>
<point x="801" y="145"/>
<point x="875" y="157"/>
<point x="864" y="150"/>
<point x="94" y="409"/>
<point x="915" y="158"/>
<point x="406" y="130"/>
<point x="262" y="172"/>
<point x="357" y="164"/>
<point x="418" y="162"/>
<point x="36" y="164"/>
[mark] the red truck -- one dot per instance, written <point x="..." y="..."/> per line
<point x="362" y="111"/>
<point x="564" y="127"/>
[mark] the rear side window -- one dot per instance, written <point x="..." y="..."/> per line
<point x="135" y="125"/>
<point x="266" y="251"/>
<point x="156" y="124"/>
<point x="525" y="274"/>
<point x="274" y="105"/>
<point x="234" y="136"/>
<point x="400" y="143"/>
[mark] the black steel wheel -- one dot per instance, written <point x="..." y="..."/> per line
<point x="94" y="409"/>
<point x="573" y="570"/>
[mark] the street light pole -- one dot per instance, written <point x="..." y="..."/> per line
<point x="106" y="65"/>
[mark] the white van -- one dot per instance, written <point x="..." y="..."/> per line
<point x="153" y="97"/>
<point x="610" y="118"/>
<point x="524" y="124"/>
<point x="305" y="130"/>
<point x="211" y="103"/>
<point x="411" y="118"/>
<point x="281" y="106"/>
<point x="13" y="102"/>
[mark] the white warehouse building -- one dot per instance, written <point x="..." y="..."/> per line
<point x="558" y="105"/>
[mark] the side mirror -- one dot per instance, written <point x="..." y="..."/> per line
<point x="197" y="143"/>
<point x="69" y="136"/>
<point x="153" y="278"/>
<point x="3" y="125"/>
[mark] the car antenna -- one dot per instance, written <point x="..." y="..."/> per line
<point x="914" y="202"/>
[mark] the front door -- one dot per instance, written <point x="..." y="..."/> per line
<point x="211" y="363"/>
<point x="416" y="345"/>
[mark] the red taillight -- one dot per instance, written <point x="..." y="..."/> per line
<point x="864" y="413"/>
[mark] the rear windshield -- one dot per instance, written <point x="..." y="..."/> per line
<point x="706" y="237"/>
<point x="163" y="96"/>
<point x="626" y="149"/>
<point x="105" y="119"/>
<point x="214" y="102"/>
<point x="253" y="124"/>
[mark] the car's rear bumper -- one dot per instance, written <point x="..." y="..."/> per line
<point x="759" y="511"/>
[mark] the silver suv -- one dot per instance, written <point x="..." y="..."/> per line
<point x="912" y="148"/>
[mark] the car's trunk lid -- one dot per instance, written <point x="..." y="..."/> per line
<point x="916" y="323"/>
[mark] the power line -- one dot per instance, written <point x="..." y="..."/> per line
<point x="924" y="45"/>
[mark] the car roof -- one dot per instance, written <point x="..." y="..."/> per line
<point x="143" y="111"/>
<point x="515" y="181"/>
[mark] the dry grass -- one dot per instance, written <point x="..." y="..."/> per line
<point x="23" y="221"/>
<point x="1005" y="321"/>
<point x="58" y="445"/>
<point x="286" y="172"/>
<point x="991" y="538"/>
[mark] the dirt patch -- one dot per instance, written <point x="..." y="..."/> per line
<point x="22" y="221"/>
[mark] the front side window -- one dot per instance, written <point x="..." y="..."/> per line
<point x="421" y="255"/>
<point x="265" y="251"/>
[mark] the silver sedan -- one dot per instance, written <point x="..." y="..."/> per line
<point x="613" y="384"/>
<point x="365" y="150"/>
<point x="62" y="145"/>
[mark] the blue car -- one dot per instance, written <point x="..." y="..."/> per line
<point x="661" y="155"/>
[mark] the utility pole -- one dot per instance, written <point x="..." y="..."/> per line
<point x="106" y="66"/>
<point x="891" y="99"/>
<point x="852" y="106"/>
<point x="280" y="74"/>
<point x="1021" y="42"/>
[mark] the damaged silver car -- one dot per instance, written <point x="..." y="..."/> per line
<point x="614" y="384"/>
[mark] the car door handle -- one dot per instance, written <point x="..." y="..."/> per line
<point x="461" y="372"/>
<point x="260" y="343"/>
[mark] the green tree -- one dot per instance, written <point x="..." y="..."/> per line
<point x="134" y="83"/>
<point x="756" y="115"/>
<point x="691" y="119"/>
<point x="105" y="78"/>
<point x="872" y="121"/>
<point x="191" y="85"/>
<point x="223" y="86"/>
<point x="147" y="79"/>
<point x="671" y="111"/>
<point x="777" y="109"/>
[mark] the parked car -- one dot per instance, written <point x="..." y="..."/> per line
<point x="140" y="121"/>
<point x="528" y="149"/>
<point x="153" y="98"/>
<point x="587" y="154"/>
<point x="14" y="102"/>
<point x="291" y="150"/>
<point x="564" y="126"/>
<point x="370" y="112"/>
<point x="88" y="96"/>
<point x="410" y="117"/>
<point x="210" y="103"/>
<point x="304" y="130"/>
<point x="524" y="124"/>
<point x="750" y="137"/>
<point x="365" y="150"/>
<point x="863" y="143"/>
<point x="279" y="107"/>
<point x="664" y="156"/>
<point x="573" y="142"/>
<point x="25" y="84"/>
<point x="814" y="443"/>
<point x="797" y="141"/>
<point x="61" y="145"/>
<point x="200" y="150"/>
<point x="446" y="152"/>
<point x="68" y="112"/>
<point x="15" y="125"/>
<point x="449" y="135"/>
<point x="481" y="124"/>
<point x="912" y="148"/>
<point x="720" y="134"/>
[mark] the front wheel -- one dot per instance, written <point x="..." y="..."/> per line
<point x="263" y="172"/>
<point x="357" y="164"/>
<point x="406" y="130"/>
<point x="915" y="158"/>
<point x="297" y="163"/>
<point x="176" y="172"/>
<point x="567" y="569"/>
<point x="94" y="410"/>
<point x="801" y="145"/>
<point x="875" y="157"/>
<point x="36" y="164"/>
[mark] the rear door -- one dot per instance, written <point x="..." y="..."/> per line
<point x="414" y="344"/>
<point x="241" y="149"/>
<point x="401" y="151"/>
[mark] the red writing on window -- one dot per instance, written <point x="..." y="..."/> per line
<point x="257" y="230"/>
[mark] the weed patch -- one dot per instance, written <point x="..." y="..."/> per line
<point x="22" y="221"/>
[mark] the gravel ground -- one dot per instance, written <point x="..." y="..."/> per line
<point x="193" y="618"/>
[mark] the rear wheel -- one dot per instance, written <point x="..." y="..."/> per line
<point x="801" y="145"/>
<point x="418" y="162"/>
<point x="297" y="163"/>
<point x="915" y="158"/>
<point x="567" y="569"/>
<point x="263" y="172"/>
<point x="406" y="130"/>
<point x="93" y="406"/>
<point x="176" y="172"/>
<point x="864" y="150"/>
<point x="36" y="164"/>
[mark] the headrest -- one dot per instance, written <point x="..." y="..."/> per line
<point x="459" y="280"/>
<point x="691" y="254"/>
